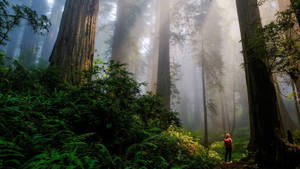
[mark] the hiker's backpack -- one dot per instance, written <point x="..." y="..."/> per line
<point x="228" y="142"/>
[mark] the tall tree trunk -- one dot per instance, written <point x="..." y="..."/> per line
<point x="197" y="120"/>
<point x="30" y="42"/>
<point x="55" y="19"/>
<point x="74" y="48"/>
<point x="227" y="118"/>
<point x="15" y="37"/>
<point x="204" y="105"/>
<point x="155" y="48"/>
<point x="223" y="112"/>
<point x="163" y="79"/>
<point x="122" y="31"/>
<point x="296" y="100"/>
<point x="184" y="116"/>
<point x="264" y="114"/>
<point x="234" y="112"/>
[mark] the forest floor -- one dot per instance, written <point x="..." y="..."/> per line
<point x="234" y="165"/>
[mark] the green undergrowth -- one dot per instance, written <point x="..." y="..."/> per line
<point x="240" y="142"/>
<point x="296" y="135"/>
<point x="104" y="123"/>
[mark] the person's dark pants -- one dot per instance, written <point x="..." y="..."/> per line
<point x="228" y="153"/>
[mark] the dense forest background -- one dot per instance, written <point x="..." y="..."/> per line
<point x="149" y="83"/>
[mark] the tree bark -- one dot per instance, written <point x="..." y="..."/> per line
<point x="163" y="79"/>
<point x="264" y="113"/>
<point x="75" y="44"/>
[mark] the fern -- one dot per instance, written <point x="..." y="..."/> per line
<point x="10" y="154"/>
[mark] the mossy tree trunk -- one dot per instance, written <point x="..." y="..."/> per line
<point x="74" y="47"/>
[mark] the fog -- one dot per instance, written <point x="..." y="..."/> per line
<point x="205" y="36"/>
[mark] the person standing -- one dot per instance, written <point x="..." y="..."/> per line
<point x="228" y="147"/>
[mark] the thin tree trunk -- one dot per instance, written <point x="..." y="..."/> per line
<point x="233" y="98"/>
<point x="223" y="112"/>
<point x="197" y="120"/>
<point x="184" y="109"/>
<point x="14" y="37"/>
<point x="74" y="47"/>
<point x="227" y="119"/>
<point x="163" y="79"/>
<point x="234" y="113"/>
<point x="155" y="49"/>
<point x="204" y="105"/>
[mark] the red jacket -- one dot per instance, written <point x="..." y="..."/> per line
<point x="228" y="142"/>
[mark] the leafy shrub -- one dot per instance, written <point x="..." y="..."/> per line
<point x="296" y="135"/>
<point x="239" y="149"/>
<point x="11" y="16"/>
<point x="103" y="123"/>
<point x="173" y="148"/>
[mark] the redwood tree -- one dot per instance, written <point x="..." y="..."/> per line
<point x="163" y="77"/>
<point x="264" y="113"/>
<point x="122" y="30"/>
<point x="74" y="48"/>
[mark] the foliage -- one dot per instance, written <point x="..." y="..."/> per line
<point x="11" y="15"/>
<point x="296" y="135"/>
<point x="279" y="44"/>
<point x="103" y="123"/>
<point x="173" y="148"/>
